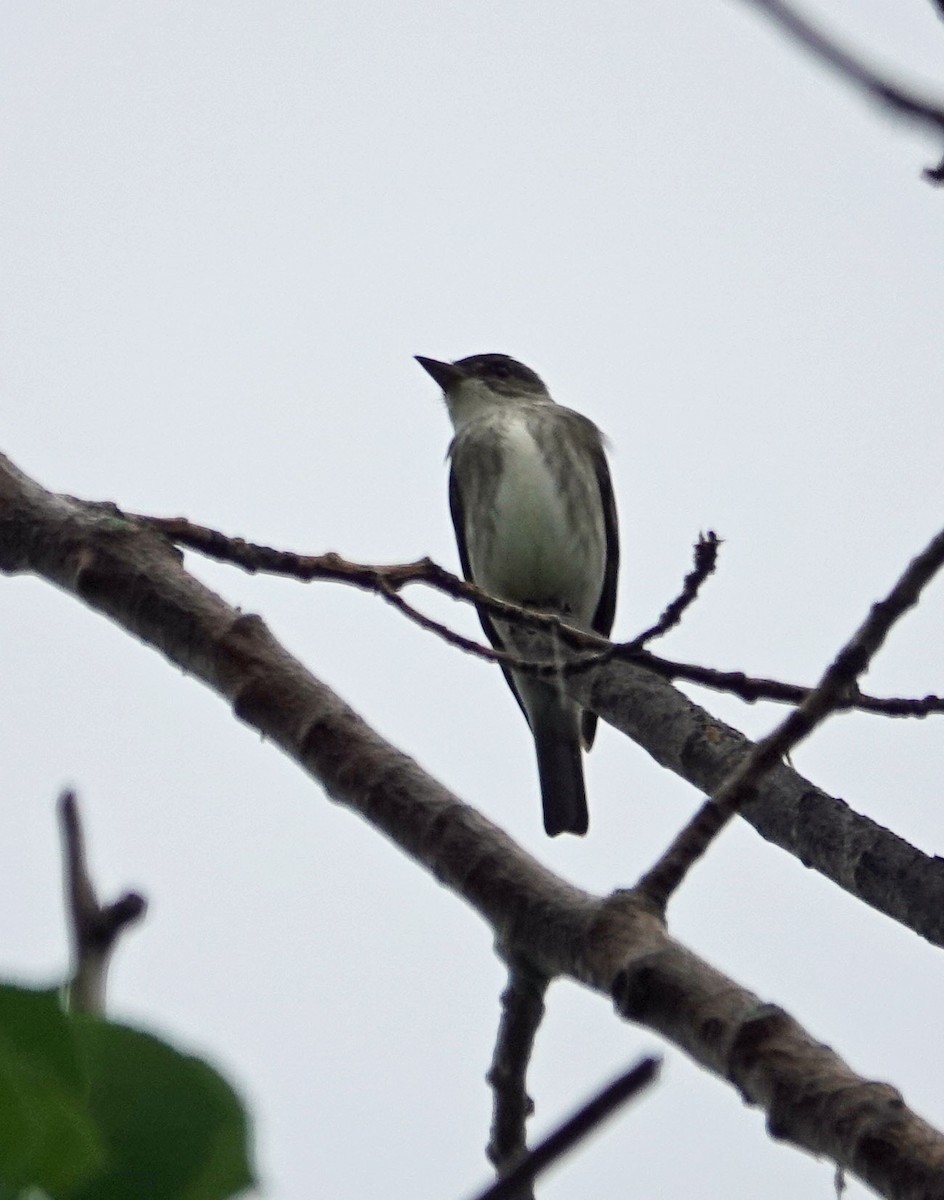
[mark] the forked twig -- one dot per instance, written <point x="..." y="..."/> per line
<point x="94" y="928"/>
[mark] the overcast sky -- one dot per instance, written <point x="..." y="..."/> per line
<point x="225" y="230"/>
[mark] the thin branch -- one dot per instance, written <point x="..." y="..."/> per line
<point x="531" y="666"/>
<point x="740" y="786"/>
<point x="522" y="1011"/>
<point x="449" y="636"/>
<point x="890" y="95"/>
<point x="257" y="559"/>
<point x="752" y="689"/>
<point x="574" y="1130"/>
<point x="94" y="928"/>
<point x="387" y="580"/>
<point x="383" y="580"/>
<point x="706" y="558"/>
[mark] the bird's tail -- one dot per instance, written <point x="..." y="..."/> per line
<point x="560" y="768"/>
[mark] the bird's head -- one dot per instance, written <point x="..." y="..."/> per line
<point x="482" y="381"/>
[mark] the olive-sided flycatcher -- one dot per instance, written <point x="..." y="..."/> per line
<point x="535" y="519"/>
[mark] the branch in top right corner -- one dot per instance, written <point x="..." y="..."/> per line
<point x="897" y="99"/>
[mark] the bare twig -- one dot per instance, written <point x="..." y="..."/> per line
<point x="257" y="559"/>
<point x="522" y="1011"/>
<point x="574" y="1130"/>
<point x="752" y="689"/>
<point x="94" y="928"/>
<point x="383" y="580"/>
<point x="706" y="558"/>
<point x="450" y="636"/>
<point x="904" y="103"/>
<point x="387" y="581"/>
<point x="660" y="882"/>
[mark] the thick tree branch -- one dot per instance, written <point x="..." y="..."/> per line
<point x="617" y="946"/>
<point x="823" y="832"/>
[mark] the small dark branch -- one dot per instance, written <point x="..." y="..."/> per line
<point x="522" y="1011"/>
<point x="574" y="1130"/>
<point x="935" y="174"/>
<point x="659" y="883"/>
<point x="387" y="582"/>
<point x="256" y="559"/>
<point x="531" y="666"/>
<point x="751" y="689"/>
<point x="888" y="94"/>
<point x="706" y="558"/>
<point x="468" y="645"/>
<point x="94" y="928"/>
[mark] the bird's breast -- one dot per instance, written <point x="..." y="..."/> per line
<point x="542" y="540"/>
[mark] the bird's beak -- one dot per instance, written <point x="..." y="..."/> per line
<point x="445" y="374"/>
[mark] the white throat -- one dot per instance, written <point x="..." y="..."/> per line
<point x="473" y="398"/>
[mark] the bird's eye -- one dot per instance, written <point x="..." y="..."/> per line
<point x="501" y="370"/>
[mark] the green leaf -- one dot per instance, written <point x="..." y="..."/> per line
<point x="47" y="1137"/>
<point x="95" y="1111"/>
<point x="172" y="1127"/>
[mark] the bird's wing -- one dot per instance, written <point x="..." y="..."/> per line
<point x="606" y="607"/>
<point x="458" y="521"/>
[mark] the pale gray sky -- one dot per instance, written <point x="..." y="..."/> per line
<point x="225" y="229"/>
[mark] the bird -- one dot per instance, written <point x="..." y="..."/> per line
<point x="535" y="520"/>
